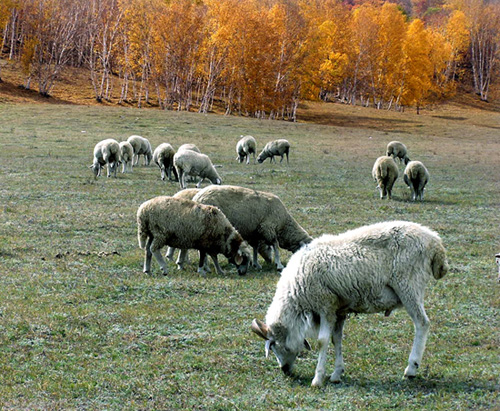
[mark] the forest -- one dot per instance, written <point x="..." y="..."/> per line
<point x="258" y="58"/>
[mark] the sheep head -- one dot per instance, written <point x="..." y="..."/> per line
<point x="276" y="342"/>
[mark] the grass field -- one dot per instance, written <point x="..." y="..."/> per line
<point x="81" y="327"/>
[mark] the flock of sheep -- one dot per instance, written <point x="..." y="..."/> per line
<point x="385" y="172"/>
<point x="375" y="268"/>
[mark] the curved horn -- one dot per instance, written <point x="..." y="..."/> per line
<point x="261" y="329"/>
<point x="269" y="346"/>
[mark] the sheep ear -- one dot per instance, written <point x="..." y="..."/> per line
<point x="307" y="345"/>
<point x="261" y="329"/>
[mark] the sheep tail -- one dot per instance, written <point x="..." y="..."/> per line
<point x="439" y="264"/>
<point x="383" y="170"/>
<point x="142" y="232"/>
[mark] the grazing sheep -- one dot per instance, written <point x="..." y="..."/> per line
<point x="191" y="163"/>
<point x="127" y="155"/>
<point x="163" y="156"/>
<point x="260" y="217"/>
<point x="375" y="268"/>
<point x="189" y="146"/>
<point x="183" y="257"/>
<point x="185" y="224"/>
<point x="416" y="177"/>
<point x="264" y="250"/>
<point x="246" y="146"/>
<point x="142" y="146"/>
<point x="398" y="150"/>
<point x="385" y="173"/>
<point x="275" y="148"/>
<point x="106" y="153"/>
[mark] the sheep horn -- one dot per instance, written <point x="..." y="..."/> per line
<point x="269" y="346"/>
<point x="261" y="329"/>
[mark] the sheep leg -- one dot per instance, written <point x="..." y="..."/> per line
<point x="256" y="258"/>
<point x="337" y="341"/>
<point x="182" y="178"/>
<point x="220" y="271"/>
<point x="421" y="322"/>
<point x="199" y="182"/>
<point x="201" y="264"/>
<point x="181" y="259"/>
<point x="170" y="253"/>
<point x="155" y="249"/>
<point x="147" y="256"/>
<point x="162" y="172"/>
<point x="325" y="331"/>
<point x="277" y="260"/>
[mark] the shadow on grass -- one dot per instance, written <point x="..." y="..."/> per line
<point x="433" y="200"/>
<point x="419" y="384"/>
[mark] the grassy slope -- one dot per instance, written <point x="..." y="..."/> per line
<point x="82" y="327"/>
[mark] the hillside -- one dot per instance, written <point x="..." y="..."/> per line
<point x="74" y="87"/>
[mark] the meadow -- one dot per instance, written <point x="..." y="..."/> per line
<point x="81" y="327"/>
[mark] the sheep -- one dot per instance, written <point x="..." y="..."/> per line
<point x="259" y="217"/>
<point x="183" y="257"/>
<point x="185" y="224"/>
<point x="264" y="250"/>
<point x="416" y="177"/>
<point x="106" y="152"/>
<point x="189" y="162"/>
<point x="385" y="173"/>
<point x="398" y="150"/>
<point x="375" y="268"/>
<point x="163" y="157"/>
<point x="189" y="146"/>
<point x="275" y="148"/>
<point x="246" y="146"/>
<point x="127" y="156"/>
<point x="142" y="146"/>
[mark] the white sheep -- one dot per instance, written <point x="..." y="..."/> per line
<point x="127" y="156"/>
<point x="274" y="148"/>
<point x="246" y="146"/>
<point x="189" y="146"/>
<point x="106" y="153"/>
<point x="163" y="157"/>
<point x="142" y="146"/>
<point x="261" y="218"/>
<point x="398" y="150"/>
<point x="188" y="162"/>
<point x="180" y="223"/>
<point x="385" y="173"/>
<point x="375" y="268"/>
<point x="416" y="177"/>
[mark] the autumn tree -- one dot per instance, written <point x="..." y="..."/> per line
<point x="102" y="24"/>
<point x="50" y="28"/>
<point x="418" y="68"/>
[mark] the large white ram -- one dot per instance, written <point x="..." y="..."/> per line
<point x="375" y="268"/>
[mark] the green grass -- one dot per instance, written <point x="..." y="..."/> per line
<point x="81" y="327"/>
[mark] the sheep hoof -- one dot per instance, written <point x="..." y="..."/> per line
<point x="317" y="382"/>
<point x="336" y="376"/>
